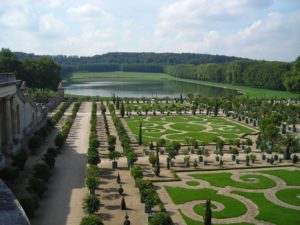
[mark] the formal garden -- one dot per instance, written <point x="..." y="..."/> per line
<point x="204" y="129"/>
<point x="242" y="197"/>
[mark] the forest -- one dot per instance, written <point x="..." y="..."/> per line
<point x="37" y="72"/>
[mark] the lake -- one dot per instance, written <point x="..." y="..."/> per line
<point x="144" y="88"/>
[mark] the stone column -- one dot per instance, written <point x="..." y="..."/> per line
<point x="14" y="119"/>
<point x="8" y="127"/>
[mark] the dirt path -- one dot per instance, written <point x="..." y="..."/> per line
<point x="62" y="204"/>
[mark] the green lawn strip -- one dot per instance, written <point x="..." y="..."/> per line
<point x="289" y="195"/>
<point x="224" y="179"/>
<point x="270" y="212"/>
<point x="96" y="76"/>
<point x="192" y="183"/>
<point x="290" y="177"/>
<point x="232" y="207"/>
<point x="190" y="221"/>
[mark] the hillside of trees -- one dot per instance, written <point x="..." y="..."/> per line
<point x="37" y="72"/>
<point x="260" y="74"/>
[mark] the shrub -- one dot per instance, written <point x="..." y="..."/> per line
<point x="34" y="142"/>
<point x="9" y="174"/>
<point x="91" y="204"/>
<point x="36" y="186"/>
<point x="42" y="171"/>
<point x="93" y="158"/>
<point x="52" y="151"/>
<point x="137" y="172"/>
<point x="111" y="140"/>
<point x="29" y="205"/>
<point x="161" y="219"/>
<point x="49" y="160"/>
<point x="152" y="159"/>
<point x="93" y="171"/>
<point x="123" y="204"/>
<point x="94" y="143"/>
<point x="59" y="140"/>
<point x="20" y="158"/>
<point x="92" y="183"/>
<point x="91" y="220"/>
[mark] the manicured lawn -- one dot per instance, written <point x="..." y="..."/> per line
<point x="205" y="194"/>
<point x="290" y="196"/>
<point x="178" y="128"/>
<point x="224" y="179"/>
<point x="270" y="212"/>
<point x="290" y="177"/>
<point x="190" y="221"/>
<point x="192" y="183"/>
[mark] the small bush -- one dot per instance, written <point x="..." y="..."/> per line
<point x="34" y="142"/>
<point x="20" y="158"/>
<point x="137" y="172"/>
<point x="42" y="171"/>
<point x="36" y="186"/>
<point x="91" y="204"/>
<point x="161" y="219"/>
<point x="91" y="220"/>
<point x="93" y="171"/>
<point x="59" y="140"/>
<point x="52" y="151"/>
<point x="92" y="183"/>
<point x="49" y="160"/>
<point x="93" y="158"/>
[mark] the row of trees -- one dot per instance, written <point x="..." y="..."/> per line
<point x="260" y="74"/>
<point x="37" y="72"/>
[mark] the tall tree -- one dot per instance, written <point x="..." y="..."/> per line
<point x="122" y="110"/>
<point x="140" y="134"/>
<point x="208" y="213"/>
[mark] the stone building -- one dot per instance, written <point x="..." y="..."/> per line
<point x="19" y="115"/>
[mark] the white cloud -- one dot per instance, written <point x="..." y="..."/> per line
<point x="90" y="12"/>
<point x="50" y="24"/>
<point x="14" y="19"/>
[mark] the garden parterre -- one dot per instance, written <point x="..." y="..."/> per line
<point x="178" y="128"/>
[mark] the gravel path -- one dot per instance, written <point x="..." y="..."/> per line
<point x="62" y="204"/>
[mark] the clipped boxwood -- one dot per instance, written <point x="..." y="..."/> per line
<point x="91" y="220"/>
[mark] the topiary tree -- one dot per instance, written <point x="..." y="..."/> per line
<point x="91" y="220"/>
<point x="137" y="172"/>
<point x="127" y="221"/>
<point x="52" y="151"/>
<point x="152" y="159"/>
<point x="59" y="140"/>
<point x="123" y="204"/>
<point x="161" y="218"/>
<point x="34" y="142"/>
<point x="92" y="183"/>
<point x="36" y="186"/>
<point x="208" y="213"/>
<point x="91" y="204"/>
<point x="140" y="142"/>
<point x="42" y="171"/>
<point x="49" y="160"/>
<point x="20" y="158"/>
<point x="120" y="190"/>
<point x="93" y="158"/>
<point x="118" y="179"/>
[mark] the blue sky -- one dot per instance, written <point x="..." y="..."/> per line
<point x="260" y="29"/>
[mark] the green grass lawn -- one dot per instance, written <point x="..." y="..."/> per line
<point x="96" y="76"/>
<point x="192" y="183"/>
<point x="270" y="212"/>
<point x="178" y="128"/>
<point x="205" y="194"/>
<point x="290" y="196"/>
<point x="190" y="221"/>
<point x="224" y="179"/>
<point x="290" y="177"/>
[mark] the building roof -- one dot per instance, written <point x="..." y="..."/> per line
<point x="11" y="212"/>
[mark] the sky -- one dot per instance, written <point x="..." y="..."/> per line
<point x="258" y="29"/>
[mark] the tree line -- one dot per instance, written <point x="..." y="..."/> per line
<point x="37" y="72"/>
<point x="259" y="74"/>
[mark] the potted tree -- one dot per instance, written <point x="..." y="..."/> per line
<point x="114" y="155"/>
